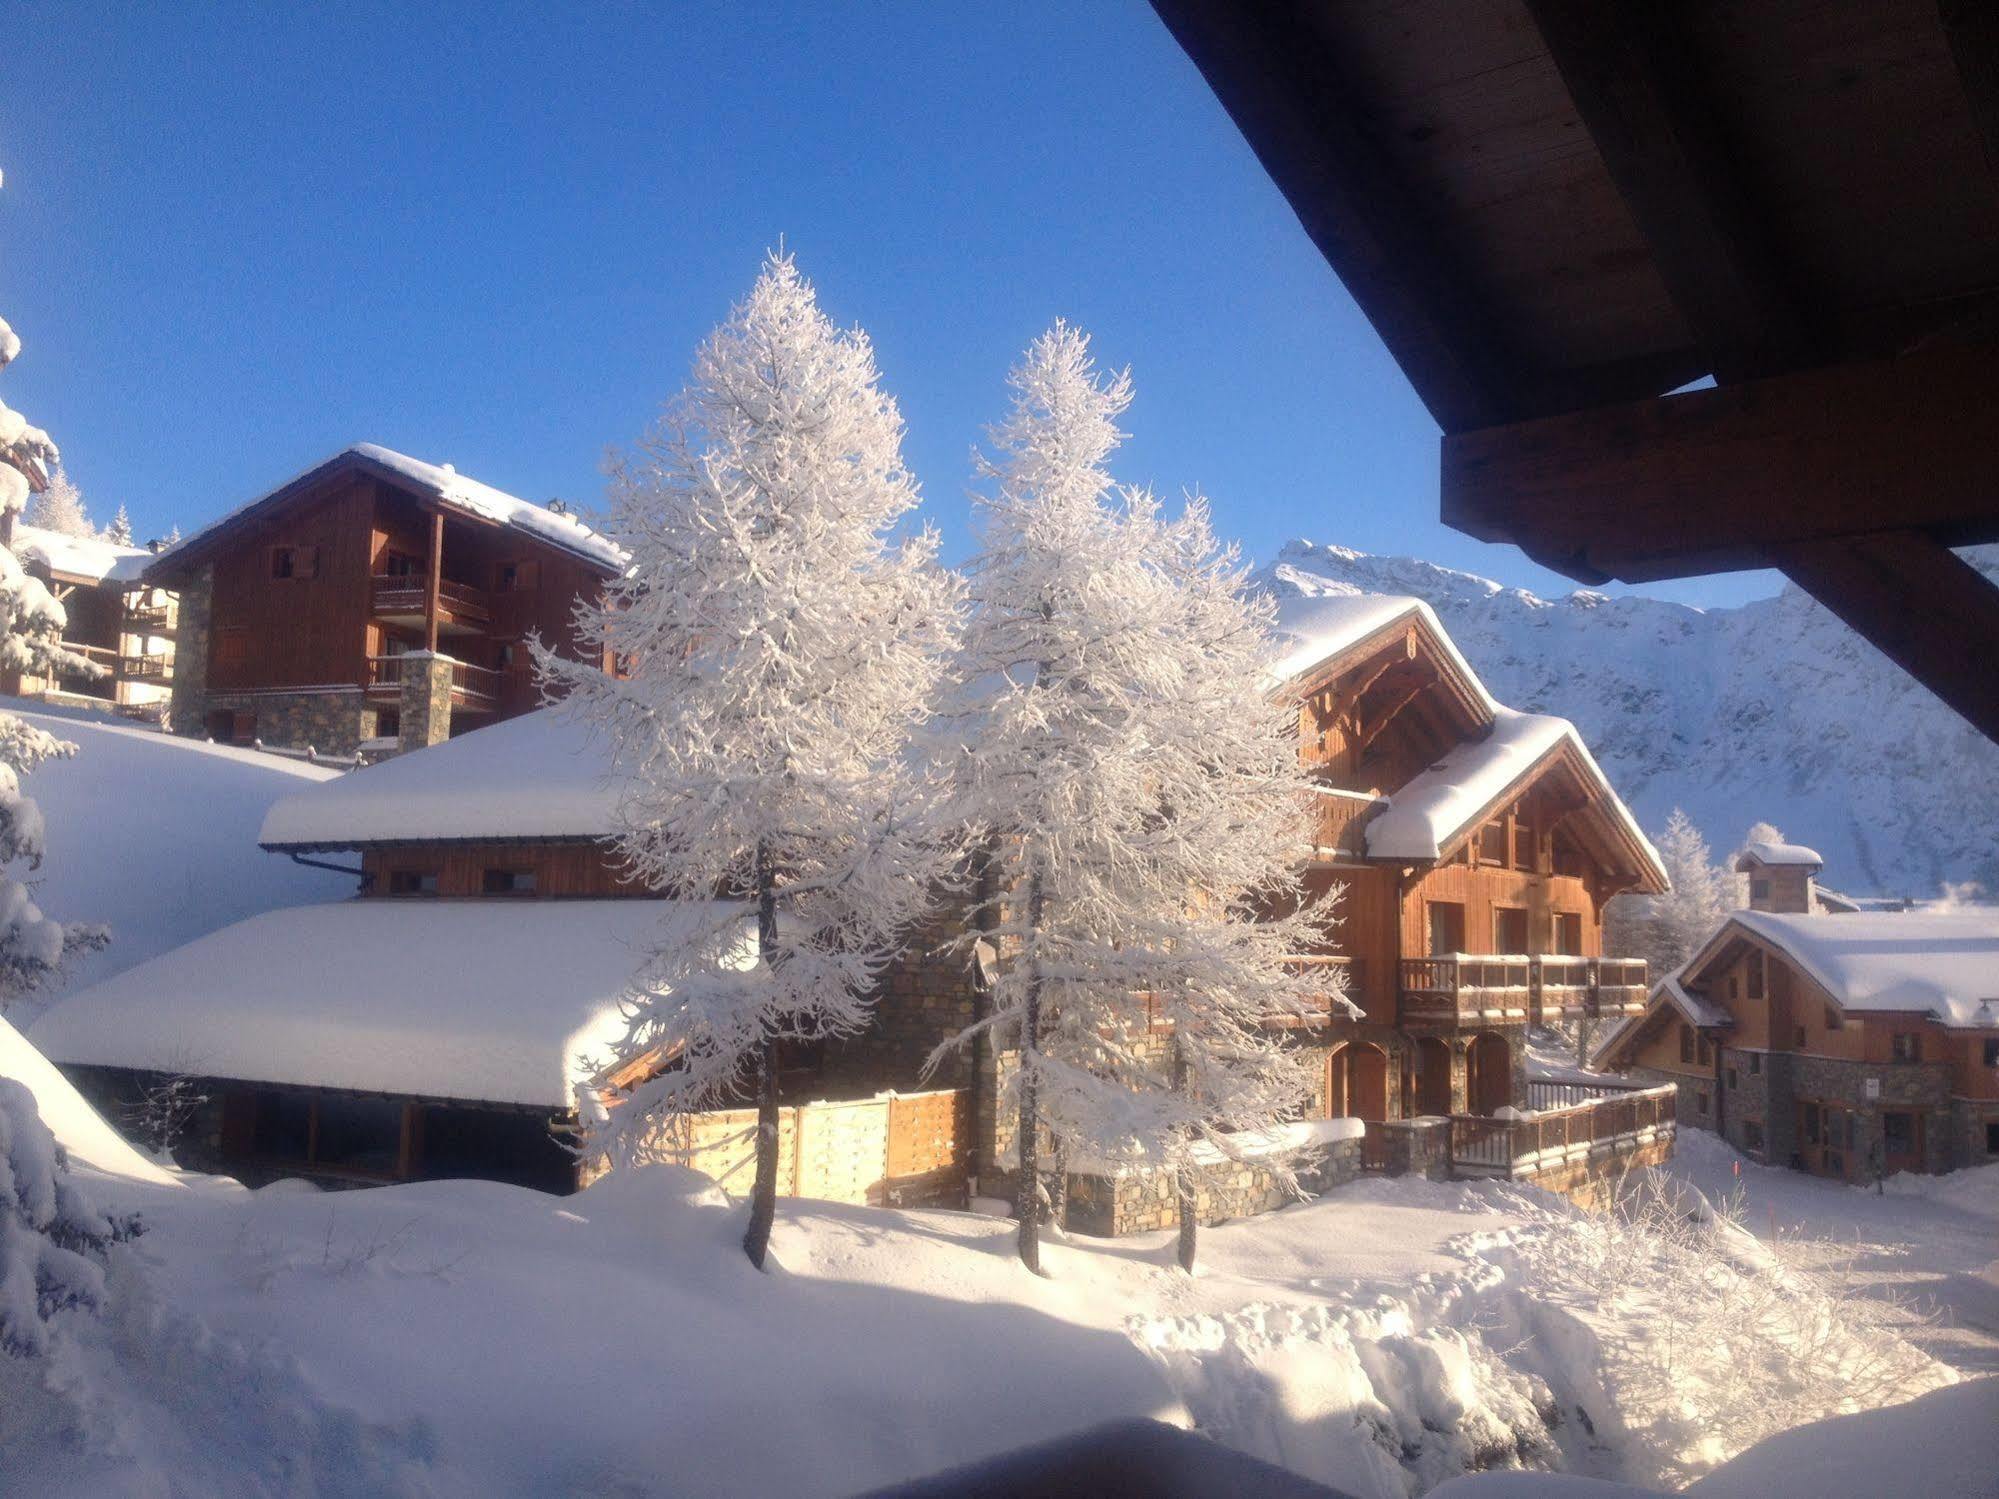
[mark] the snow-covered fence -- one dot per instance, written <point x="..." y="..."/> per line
<point x="893" y="1150"/>
<point x="1549" y="1093"/>
<point x="1619" y="1123"/>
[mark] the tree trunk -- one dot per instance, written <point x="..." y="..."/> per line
<point x="763" y="1196"/>
<point x="1184" y="1179"/>
<point x="1027" y="1139"/>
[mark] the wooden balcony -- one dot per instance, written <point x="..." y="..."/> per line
<point x="476" y="689"/>
<point x="149" y="619"/>
<point x="1464" y="988"/>
<point x="1614" y="1120"/>
<point x="156" y="669"/>
<point x="1467" y="987"/>
<point x="1329" y="964"/>
<point x="398" y="599"/>
<point x="1341" y="819"/>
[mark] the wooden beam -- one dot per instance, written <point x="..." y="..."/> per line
<point x="1627" y="70"/>
<point x="1375" y="722"/>
<point x="1713" y="479"/>
<point x="433" y="582"/>
<point x="1971" y="30"/>
<point x="1923" y="606"/>
<point x="1274" y="71"/>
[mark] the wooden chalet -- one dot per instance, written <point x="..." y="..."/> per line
<point x="1848" y="1045"/>
<point x="1477" y="847"/>
<point x="1556" y="213"/>
<point x="373" y="603"/>
<point x="122" y="628"/>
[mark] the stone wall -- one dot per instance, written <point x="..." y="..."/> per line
<point x="1971" y="1122"/>
<point x="1918" y="1087"/>
<point x="1133" y="1202"/>
<point x="1594" y="1182"/>
<point x="1413" y="1147"/>
<point x="188" y="710"/>
<point x="332" y="720"/>
<point x="425" y="706"/>
<point x="926" y="997"/>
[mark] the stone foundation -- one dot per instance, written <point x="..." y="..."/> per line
<point x="332" y="720"/>
<point x="1138" y="1201"/>
<point x="187" y="712"/>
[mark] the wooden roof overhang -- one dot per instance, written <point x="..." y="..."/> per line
<point x="1555" y="212"/>
<point x="183" y="560"/>
<point x="1402" y="664"/>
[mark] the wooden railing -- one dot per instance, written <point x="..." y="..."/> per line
<point x="1535" y="1142"/>
<point x="1549" y="1093"/>
<point x="149" y="668"/>
<point x="404" y="594"/>
<point x="1340" y="818"/>
<point x="1467" y="985"/>
<point x="479" y="686"/>
<point x="1621" y="986"/>
<point x="1328" y="963"/>
<point x="148" y="619"/>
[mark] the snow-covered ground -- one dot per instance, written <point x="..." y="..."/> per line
<point x="469" y="1338"/>
<point x="156" y="837"/>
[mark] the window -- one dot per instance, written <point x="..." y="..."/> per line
<point x="401" y="565"/>
<point x="1701" y="1101"/>
<point x="1706" y="1051"/>
<point x="1992" y="1137"/>
<point x="1798" y="1036"/>
<point x="1447" y="927"/>
<point x="508" y="882"/>
<point x="388" y="723"/>
<point x="1759" y="890"/>
<point x="1686" y="1042"/>
<point x="1523" y="845"/>
<point x="1908" y="1046"/>
<point x="1992" y="1051"/>
<point x="1569" y="933"/>
<point x="1810" y="1114"/>
<point x="232" y="645"/>
<point x="1755" y="1063"/>
<point x="1509" y="929"/>
<point x="1754" y="975"/>
<point x="1492" y="843"/>
<point x="1898" y="1133"/>
<point x="517" y="577"/>
<point x="1752" y="1134"/>
<point x="296" y="562"/>
<point x="412" y="882"/>
<point x="1731" y="1077"/>
<point x="1833" y="1019"/>
<point x="1733" y="990"/>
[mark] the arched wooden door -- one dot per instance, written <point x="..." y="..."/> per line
<point x="1433" y="1076"/>
<point x="1489" y="1074"/>
<point x="1367" y="1081"/>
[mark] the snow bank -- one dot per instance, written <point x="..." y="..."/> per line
<point x="77" y="1127"/>
<point x="155" y="836"/>
<point x="1974" y="1191"/>
<point x="487" y="1000"/>
<point x="542" y="775"/>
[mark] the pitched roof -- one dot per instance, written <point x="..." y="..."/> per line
<point x="542" y="775"/>
<point x="1779" y="855"/>
<point x="1944" y="964"/>
<point x="494" y="1001"/>
<point x="441" y="483"/>
<point x="80" y="557"/>
<point x="1667" y="993"/>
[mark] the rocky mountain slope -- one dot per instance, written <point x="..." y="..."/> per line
<point x="1773" y="711"/>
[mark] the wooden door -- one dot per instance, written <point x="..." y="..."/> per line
<point x="1901" y="1141"/>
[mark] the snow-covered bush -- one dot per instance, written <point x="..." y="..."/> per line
<point x="52" y="1241"/>
<point x="162" y="1110"/>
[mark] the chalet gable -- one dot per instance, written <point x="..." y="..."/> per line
<point x="429" y="485"/>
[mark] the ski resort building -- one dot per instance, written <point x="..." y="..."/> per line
<point x="468" y="997"/>
<point x="375" y="602"/>
<point x="121" y="626"/>
<point x="1852" y="1045"/>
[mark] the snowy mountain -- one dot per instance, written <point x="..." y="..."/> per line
<point x="1774" y="711"/>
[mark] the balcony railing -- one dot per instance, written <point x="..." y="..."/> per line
<point x="149" y="668"/>
<point x="471" y="686"/>
<point x="1537" y="1142"/>
<point x="1341" y="819"/>
<point x="401" y="596"/>
<point x="148" y="619"/>
<point x="1517" y="986"/>
<point x="1330" y="964"/>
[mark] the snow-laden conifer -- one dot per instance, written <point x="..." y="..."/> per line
<point x="1137" y="796"/>
<point x="119" y="532"/>
<point x="59" y="508"/>
<point x="31" y="626"/>
<point x="1668" y="929"/>
<point x="779" y="646"/>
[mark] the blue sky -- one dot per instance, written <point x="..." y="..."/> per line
<point x="237" y="238"/>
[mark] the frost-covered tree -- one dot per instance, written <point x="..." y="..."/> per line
<point x="1668" y="929"/>
<point x="52" y="1241"/>
<point x="31" y="626"/>
<point x="780" y="648"/>
<point x="59" y="508"/>
<point x="1137" y="800"/>
<point x="119" y="532"/>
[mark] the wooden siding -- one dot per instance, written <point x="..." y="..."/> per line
<point x="296" y="632"/>
<point x="560" y="869"/>
<point x="1483" y="890"/>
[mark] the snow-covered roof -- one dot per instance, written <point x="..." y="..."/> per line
<point x="1312" y="629"/>
<point x="89" y="557"/>
<point x="1668" y="992"/>
<point x="498" y="1001"/>
<point x="1779" y="854"/>
<point x="1423" y="817"/>
<point x="542" y="775"/>
<point x="445" y="484"/>
<point x="1941" y="963"/>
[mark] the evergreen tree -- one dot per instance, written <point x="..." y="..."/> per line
<point x="31" y="626"/>
<point x="780" y="650"/>
<point x="1668" y="929"/>
<point x="1137" y="798"/>
<point x="119" y="532"/>
<point x="59" y="508"/>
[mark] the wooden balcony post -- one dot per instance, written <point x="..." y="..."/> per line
<point x="434" y="580"/>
